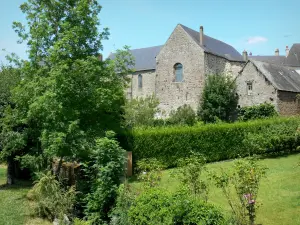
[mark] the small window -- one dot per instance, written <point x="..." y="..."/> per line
<point x="249" y="88"/>
<point x="178" y="68"/>
<point x="140" y="81"/>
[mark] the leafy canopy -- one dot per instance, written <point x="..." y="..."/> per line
<point x="219" y="99"/>
<point x="67" y="97"/>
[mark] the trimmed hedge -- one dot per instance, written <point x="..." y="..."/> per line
<point x="216" y="141"/>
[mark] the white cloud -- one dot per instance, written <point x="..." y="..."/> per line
<point x="256" y="40"/>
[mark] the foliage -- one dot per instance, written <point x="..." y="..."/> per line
<point x="152" y="207"/>
<point x="156" y="206"/>
<point x="9" y="78"/>
<point x="126" y="197"/>
<point x="184" y="115"/>
<point x="67" y="97"/>
<point x="140" y="111"/>
<point x="108" y="160"/>
<point x="81" y="222"/>
<point x="189" y="210"/>
<point x="261" y="111"/>
<point x="150" y="172"/>
<point x="51" y="201"/>
<point x="215" y="141"/>
<point x="246" y="179"/>
<point x="274" y="140"/>
<point x="219" y="99"/>
<point x="189" y="173"/>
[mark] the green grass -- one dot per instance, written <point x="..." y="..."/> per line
<point x="14" y="206"/>
<point x="279" y="192"/>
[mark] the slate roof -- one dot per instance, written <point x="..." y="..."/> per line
<point x="144" y="57"/>
<point x="215" y="46"/>
<point x="281" y="77"/>
<point x="279" y="60"/>
<point x="293" y="58"/>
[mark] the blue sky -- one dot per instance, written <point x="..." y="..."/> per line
<point x="259" y="26"/>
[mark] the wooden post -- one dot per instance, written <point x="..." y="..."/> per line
<point x="129" y="164"/>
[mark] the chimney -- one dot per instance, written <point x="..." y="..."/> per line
<point x="287" y="50"/>
<point x="201" y="36"/>
<point x="276" y="52"/>
<point x="245" y="55"/>
<point x="100" y="57"/>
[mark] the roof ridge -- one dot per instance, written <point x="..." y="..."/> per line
<point x="205" y="35"/>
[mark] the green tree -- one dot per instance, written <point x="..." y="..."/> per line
<point x="9" y="78"/>
<point x="67" y="97"/>
<point x="140" y="111"/>
<point x="219" y="99"/>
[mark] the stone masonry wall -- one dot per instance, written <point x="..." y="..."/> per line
<point x="218" y="65"/>
<point x="180" y="48"/>
<point x="262" y="89"/>
<point x="148" y="84"/>
<point x="288" y="104"/>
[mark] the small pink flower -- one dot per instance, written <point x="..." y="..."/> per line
<point x="248" y="197"/>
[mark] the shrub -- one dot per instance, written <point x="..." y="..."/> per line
<point x="184" y="115"/>
<point x="140" y="111"/>
<point x="245" y="180"/>
<point x="150" y="172"/>
<point x="214" y="141"/>
<point x="190" y="211"/>
<point x="257" y="112"/>
<point x="219" y="99"/>
<point x="51" y="200"/>
<point x="119" y="215"/>
<point x="189" y="174"/>
<point x="108" y="160"/>
<point x="159" y="207"/>
<point x="81" y="222"/>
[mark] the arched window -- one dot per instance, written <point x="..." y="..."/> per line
<point x="140" y="81"/>
<point x="178" y="68"/>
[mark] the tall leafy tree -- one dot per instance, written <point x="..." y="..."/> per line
<point x="9" y="78"/>
<point x="219" y="99"/>
<point x="67" y="97"/>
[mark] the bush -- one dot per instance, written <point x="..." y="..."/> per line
<point x="108" y="160"/>
<point x="184" y="115"/>
<point x="140" y="111"/>
<point x="119" y="215"/>
<point x="215" y="141"/>
<point x="219" y="99"/>
<point x="190" y="175"/>
<point x="261" y="111"/>
<point x="51" y="201"/>
<point x="159" y="207"/>
<point x="245" y="180"/>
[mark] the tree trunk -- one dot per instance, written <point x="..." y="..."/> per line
<point x="57" y="172"/>
<point x="10" y="170"/>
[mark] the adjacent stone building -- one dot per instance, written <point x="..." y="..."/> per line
<point x="176" y="72"/>
<point x="261" y="82"/>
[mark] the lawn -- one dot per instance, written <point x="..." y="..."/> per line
<point x="15" y="208"/>
<point x="279" y="192"/>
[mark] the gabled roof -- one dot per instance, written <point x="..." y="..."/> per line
<point x="293" y="58"/>
<point x="144" y="57"/>
<point x="279" y="60"/>
<point x="215" y="46"/>
<point x="281" y="77"/>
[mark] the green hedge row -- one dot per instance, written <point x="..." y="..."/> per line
<point x="217" y="141"/>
